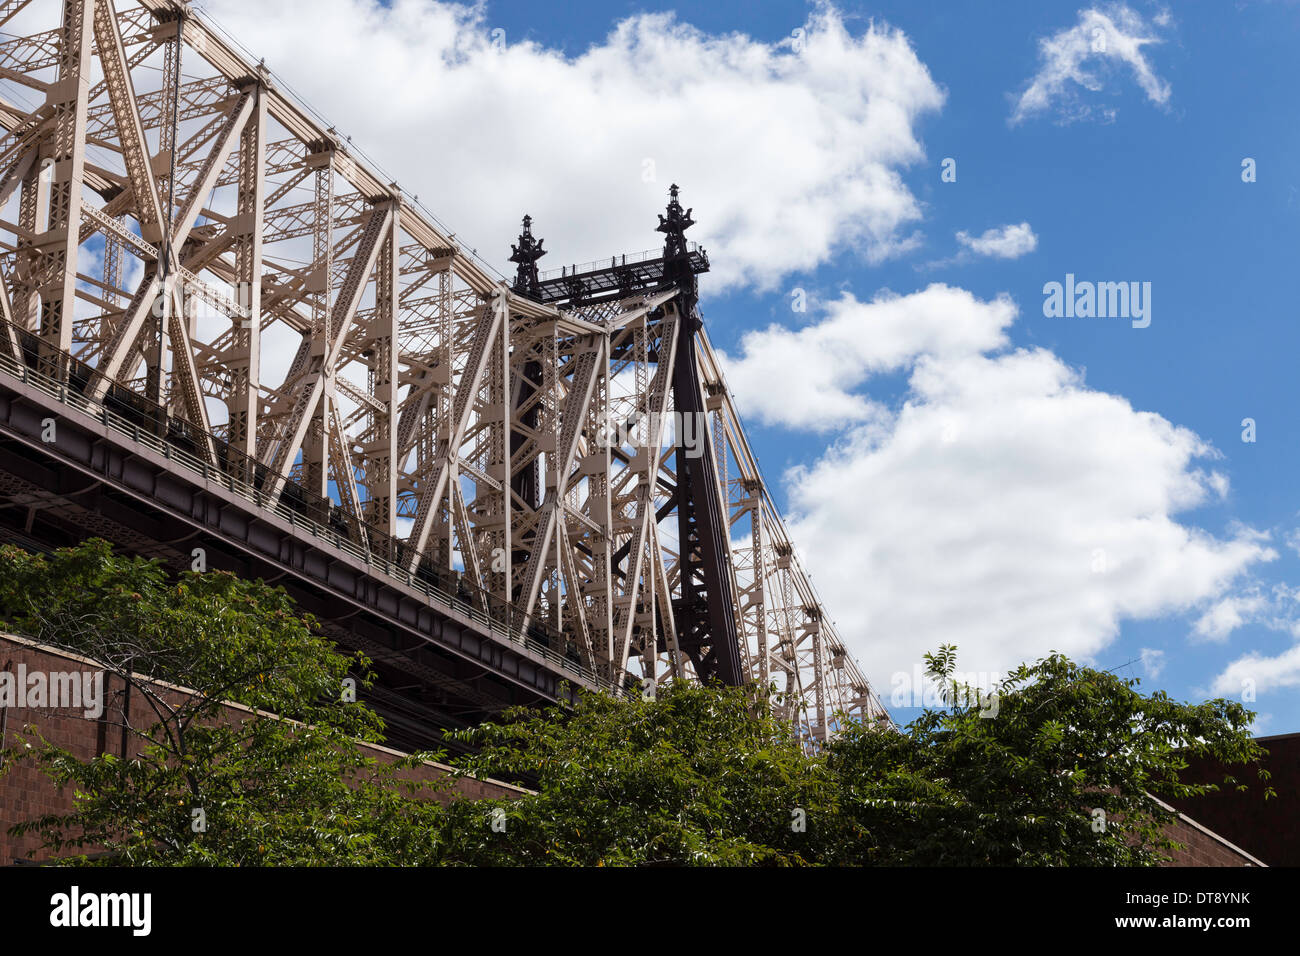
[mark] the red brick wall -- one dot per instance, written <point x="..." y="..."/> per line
<point x="1202" y="849"/>
<point x="26" y="793"/>
<point x="1268" y="829"/>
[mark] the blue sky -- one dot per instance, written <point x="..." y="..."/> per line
<point x="1136" y="179"/>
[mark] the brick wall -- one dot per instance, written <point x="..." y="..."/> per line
<point x="26" y="793"/>
<point x="1269" y="829"/>
<point x="1204" y="847"/>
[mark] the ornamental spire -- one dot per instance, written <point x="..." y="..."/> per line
<point x="674" y="226"/>
<point x="526" y="254"/>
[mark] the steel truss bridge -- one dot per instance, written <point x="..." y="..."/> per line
<point x="225" y="338"/>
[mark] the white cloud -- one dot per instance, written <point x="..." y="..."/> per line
<point x="1105" y="38"/>
<point x="1277" y="610"/>
<point x="787" y="156"/>
<point x="1003" y="242"/>
<point x="1005" y="506"/>
<point x="1228" y="614"/>
<point x="1153" y="661"/>
<point x="819" y="365"/>
<point x="1260" y="673"/>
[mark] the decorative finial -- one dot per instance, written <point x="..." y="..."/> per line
<point x="525" y="255"/>
<point x="674" y="226"/>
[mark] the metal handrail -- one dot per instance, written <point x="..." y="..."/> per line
<point x="613" y="262"/>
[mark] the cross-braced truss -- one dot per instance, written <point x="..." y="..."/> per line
<point x="173" y="221"/>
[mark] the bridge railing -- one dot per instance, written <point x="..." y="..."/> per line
<point x="145" y="422"/>
<point x="613" y="262"/>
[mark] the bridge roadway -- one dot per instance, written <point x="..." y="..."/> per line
<point x="442" y="662"/>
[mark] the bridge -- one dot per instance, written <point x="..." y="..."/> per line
<point x="227" y="342"/>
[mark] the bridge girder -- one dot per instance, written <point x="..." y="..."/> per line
<point x="178" y="229"/>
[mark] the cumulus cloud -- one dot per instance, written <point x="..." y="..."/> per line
<point x="1225" y="616"/>
<point x="790" y="151"/>
<point x="1105" y="40"/>
<point x="1005" y="506"/>
<point x="1259" y="673"/>
<point x="1002" y="242"/>
<point x="1276" y="609"/>
<point x="820" y="365"/>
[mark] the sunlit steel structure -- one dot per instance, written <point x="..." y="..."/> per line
<point x="193" y="265"/>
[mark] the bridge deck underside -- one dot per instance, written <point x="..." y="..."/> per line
<point x="438" y="666"/>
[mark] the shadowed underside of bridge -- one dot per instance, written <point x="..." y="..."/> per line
<point x="226" y="340"/>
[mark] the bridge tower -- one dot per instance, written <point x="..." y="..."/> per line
<point x="705" y="610"/>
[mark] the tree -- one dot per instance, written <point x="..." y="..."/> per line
<point x="697" y="776"/>
<point x="1058" y="768"/>
<point x="285" y="782"/>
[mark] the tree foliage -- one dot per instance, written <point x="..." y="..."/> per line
<point x="696" y="776"/>
<point x="283" y="782"/>
<point x="1058" y="768"/>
